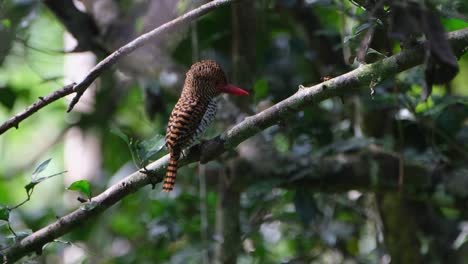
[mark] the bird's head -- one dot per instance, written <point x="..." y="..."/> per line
<point x="207" y="78"/>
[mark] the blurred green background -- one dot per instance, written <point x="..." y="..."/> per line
<point x="366" y="178"/>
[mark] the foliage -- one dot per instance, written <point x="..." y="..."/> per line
<point x="295" y="215"/>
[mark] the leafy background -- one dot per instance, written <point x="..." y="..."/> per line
<point x="293" y="215"/>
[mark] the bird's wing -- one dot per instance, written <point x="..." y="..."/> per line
<point x="184" y="121"/>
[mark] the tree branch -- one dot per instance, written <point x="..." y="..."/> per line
<point x="362" y="77"/>
<point x="79" y="24"/>
<point x="365" y="75"/>
<point x="110" y="60"/>
<point x="350" y="171"/>
<point x="43" y="101"/>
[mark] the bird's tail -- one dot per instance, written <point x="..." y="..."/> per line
<point x="171" y="173"/>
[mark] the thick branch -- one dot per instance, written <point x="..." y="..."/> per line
<point x="364" y="76"/>
<point x="368" y="169"/>
<point x="79" y="24"/>
<point x="110" y="60"/>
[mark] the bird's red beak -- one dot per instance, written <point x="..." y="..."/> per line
<point x="234" y="90"/>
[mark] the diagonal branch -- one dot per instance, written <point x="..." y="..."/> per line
<point x="109" y="61"/>
<point x="81" y="87"/>
<point x="362" y="77"/>
<point x="30" y="110"/>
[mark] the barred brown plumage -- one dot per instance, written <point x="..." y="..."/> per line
<point x="194" y="111"/>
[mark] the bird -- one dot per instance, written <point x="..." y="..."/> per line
<point x="194" y="111"/>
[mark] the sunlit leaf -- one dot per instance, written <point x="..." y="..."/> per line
<point x="81" y="186"/>
<point x="454" y="24"/>
<point x="424" y="106"/>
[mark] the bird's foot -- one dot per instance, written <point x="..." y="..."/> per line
<point x="154" y="177"/>
<point x="195" y="146"/>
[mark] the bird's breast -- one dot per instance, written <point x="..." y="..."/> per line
<point x="189" y="119"/>
<point x="205" y="122"/>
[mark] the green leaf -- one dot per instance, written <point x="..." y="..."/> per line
<point x="153" y="145"/>
<point x="40" y="168"/>
<point x="362" y="27"/>
<point x="81" y="186"/>
<point x="424" y="106"/>
<point x="455" y="24"/>
<point x="450" y="213"/>
<point x="373" y="51"/>
<point x="4" y="213"/>
<point x="116" y="131"/>
<point x="36" y="181"/>
<point x="142" y="151"/>
<point x="146" y="149"/>
<point x="30" y="186"/>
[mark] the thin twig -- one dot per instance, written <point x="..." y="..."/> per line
<point x="110" y="60"/>
<point x="43" y="101"/>
<point x="46" y="51"/>
<point x="211" y="149"/>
